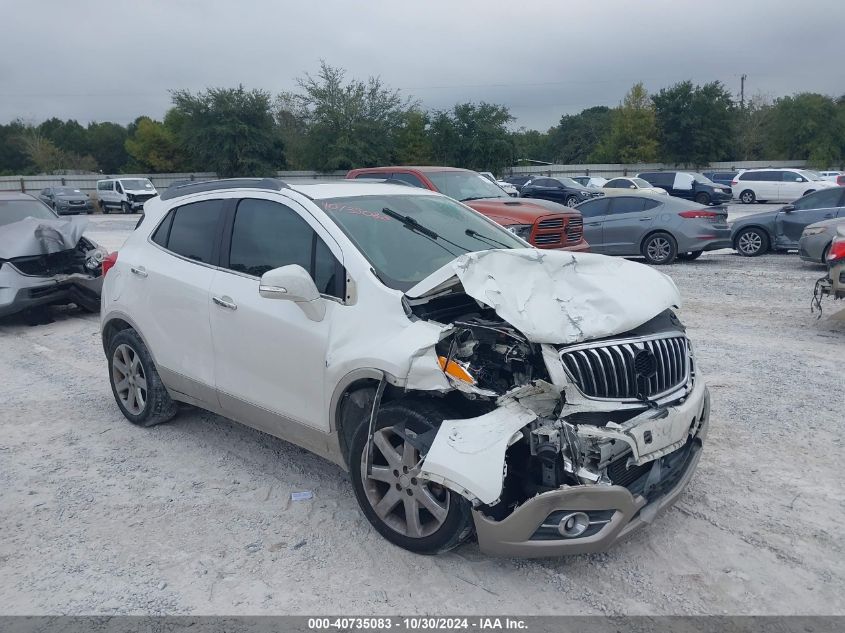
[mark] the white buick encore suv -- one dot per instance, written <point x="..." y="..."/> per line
<point x="546" y="401"/>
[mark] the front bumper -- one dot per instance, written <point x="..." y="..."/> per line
<point x="21" y="292"/>
<point x="580" y="247"/>
<point x="519" y="533"/>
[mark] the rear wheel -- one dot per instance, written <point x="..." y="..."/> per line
<point x="407" y="510"/>
<point x="751" y="242"/>
<point x="747" y="197"/>
<point x="135" y="383"/>
<point x="702" y="198"/>
<point x="659" y="249"/>
<point x="688" y="257"/>
<point x="571" y="201"/>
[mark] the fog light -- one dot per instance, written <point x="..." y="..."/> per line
<point x="574" y="524"/>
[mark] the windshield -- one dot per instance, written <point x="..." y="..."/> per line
<point x="67" y="191"/>
<point x="403" y="256"/>
<point x="136" y="184"/>
<point x="465" y="185"/>
<point x="640" y="182"/>
<point x="16" y="210"/>
<point x="811" y="175"/>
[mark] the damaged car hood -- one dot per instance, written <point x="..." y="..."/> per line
<point x="557" y="297"/>
<point x="33" y="236"/>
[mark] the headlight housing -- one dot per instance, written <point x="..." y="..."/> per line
<point x="520" y="230"/>
<point x="718" y="190"/>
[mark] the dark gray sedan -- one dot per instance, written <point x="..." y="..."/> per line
<point x="66" y="200"/>
<point x="781" y="228"/>
<point x="815" y="241"/>
<point x="658" y="227"/>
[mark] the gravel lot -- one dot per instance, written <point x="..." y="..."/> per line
<point x="195" y="517"/>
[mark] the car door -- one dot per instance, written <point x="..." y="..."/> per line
<point x="626" y="224"/>
<point x="169" y="289"/>
<point x="271" y="357"/>
<point x="547" y="189"/>
<point x="792" y="186"/>
<point x="814" y="207"/>
<point x="594" y="213"/>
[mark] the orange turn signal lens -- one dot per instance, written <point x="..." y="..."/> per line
<point x="456" y="370"/>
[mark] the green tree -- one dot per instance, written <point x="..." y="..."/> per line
<point x="694" y="122"/>
<point x="68" y="136"/>
<point x="106" y="143"/>
<point x="633" y="131"/>
<point x="413" y="144"/>
<point x="349" y="123"/>
<point x="13" y="158"/>
<point x="750" y="128"/>
<point x="153" y="147"/>
<point x="474" y="136"/>
<point x="46" y="158"/>
<point x="807" y="126"/>
<point x="532" y="145"/>
<point x="577" y="136"/>
<point x="230" y="131"/>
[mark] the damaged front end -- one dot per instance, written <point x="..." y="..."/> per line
<point x="47" y="262"/>
<point x="577" y="442"/>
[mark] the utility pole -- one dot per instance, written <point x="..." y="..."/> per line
<point x="742" y="91"/>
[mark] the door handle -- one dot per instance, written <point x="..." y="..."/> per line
<point x="225" y="302"/>
<point x="645" y="219"/>
<point x="593" y="223"/>
<point x="138" y="270"/>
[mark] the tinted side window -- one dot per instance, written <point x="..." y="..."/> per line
<point x="660" y="179"/>
<point x="371" y="176"/>
<point x="594" y="208"/>
<point x="193" y="230"/>
<point x="627" y="204"/>
<point x="410" y="179"/>
<point x="791" y="176"/>
<point x="268" y="235"/>
<point x="617" y="183"/>
<point x="161" y="234"/>
<point x="824" y="199"/>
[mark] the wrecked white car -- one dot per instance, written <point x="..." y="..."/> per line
<point x="546" y="401"/>
<point x="44" y="260"/>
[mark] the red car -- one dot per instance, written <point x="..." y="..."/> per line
<point x="542" y="223"/>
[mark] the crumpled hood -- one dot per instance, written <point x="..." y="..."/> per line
<point x="558" y="297"/>
<point x="33" y="236"/>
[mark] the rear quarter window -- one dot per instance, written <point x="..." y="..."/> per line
<point x="191" y="230"/>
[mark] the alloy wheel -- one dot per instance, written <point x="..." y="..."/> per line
<point x="749" y="243"/>
<point x="659" y="249"/>
<point x="129" y="380"/>
<point x="408" y="504"/>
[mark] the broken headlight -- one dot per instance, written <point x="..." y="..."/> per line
<point x="521" y="230"/>
<point x="94" y="258"/>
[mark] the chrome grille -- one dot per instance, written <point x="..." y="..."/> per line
<point x="553" y="223"/>
<point x="547" y="238"/>
<point x="608" y="370"/>
<point x="574" y="230"/>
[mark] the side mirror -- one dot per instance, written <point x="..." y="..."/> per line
<point x="632" y="186"/>
<point x="293" y="283"/>
<point x="800" y="179"/>
<point x="789" y="208"/>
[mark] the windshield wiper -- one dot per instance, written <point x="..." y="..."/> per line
<point x="412" y="224"/>
<point x="484" y="238"/>
<point x="481" y="198"/>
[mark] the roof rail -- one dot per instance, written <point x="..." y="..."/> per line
<point x="178" y="190"/>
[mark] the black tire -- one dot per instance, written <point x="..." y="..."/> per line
<point x="659" y="249"/>
<point x="158" y="406"/>
<point x="747" y="197"/>
<point x="702" y="198"/>
<point x="826" y="252"/>
<point x="688" y="257"/>
<point x="418" y="415"/>
<point x="126" y="208"/>
<point x="751" y="242"/>
<point x="104" y="208"/>
<point x="571" y="201"/>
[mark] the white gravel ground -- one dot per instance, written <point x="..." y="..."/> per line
<point x="195" y="517"/>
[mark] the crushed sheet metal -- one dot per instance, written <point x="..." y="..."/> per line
<point x="33" y="236"/>
<point x="469" y="454"/>
<point x="559" y="297"/>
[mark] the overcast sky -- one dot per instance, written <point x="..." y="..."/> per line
<point x="114" y="60"/>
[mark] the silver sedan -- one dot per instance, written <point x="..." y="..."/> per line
<point x="816" y="238"/>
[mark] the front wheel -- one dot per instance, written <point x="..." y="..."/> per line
<point x="747" y="197"/>
<point x="751" y="242"/>
<point x="660" y="249"/>
<point x="571" y="201"/>
<point x="409" y="511"/>
<point x="135" y="383"/>
<point x="702" y="198"/>
<point x="126" y="208"/>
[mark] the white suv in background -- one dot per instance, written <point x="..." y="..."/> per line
<point x="126" y="195"/>
<point x="776" y="185"/>
<point x="421" y="346"/>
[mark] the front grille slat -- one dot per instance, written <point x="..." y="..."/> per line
<point x="607" y="370"/>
